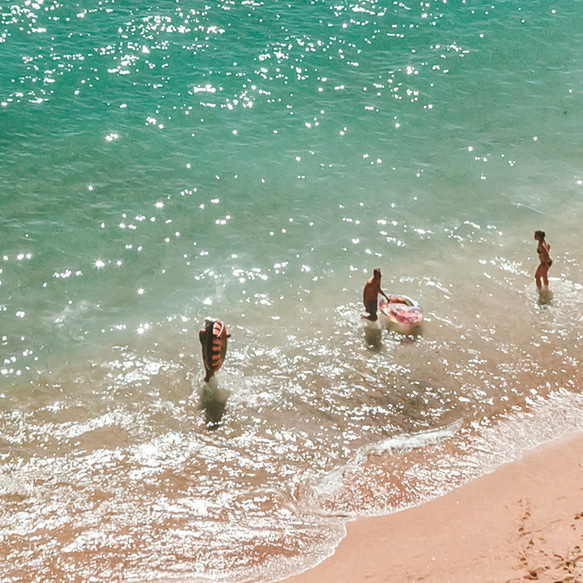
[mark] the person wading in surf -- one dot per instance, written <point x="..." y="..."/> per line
<point x="372" y="289"/>
<point x="543" y="250"/>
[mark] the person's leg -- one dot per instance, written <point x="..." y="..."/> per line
<point x="546" y="275"/>
<point x="538" y="276"/>
<point x="371" y="308"/>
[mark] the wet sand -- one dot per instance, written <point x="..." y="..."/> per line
<point x="524" y="522"/>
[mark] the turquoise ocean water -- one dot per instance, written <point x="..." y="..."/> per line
<point x="254" y="161"/>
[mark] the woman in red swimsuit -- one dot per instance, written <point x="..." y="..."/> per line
<point x="543" y="250"/>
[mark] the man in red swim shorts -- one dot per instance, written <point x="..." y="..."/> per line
<point x="372" y="289"/>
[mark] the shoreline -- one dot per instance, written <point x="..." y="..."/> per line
<point x="522" y="522"/>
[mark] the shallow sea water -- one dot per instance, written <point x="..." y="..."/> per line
<point x="255" y="161"/>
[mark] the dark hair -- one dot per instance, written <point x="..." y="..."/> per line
<point x="539" y="235"/>
<point x="377" y="272"/>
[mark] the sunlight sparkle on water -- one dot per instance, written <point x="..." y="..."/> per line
<point x="272" y="218"/>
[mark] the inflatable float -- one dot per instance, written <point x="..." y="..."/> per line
<point x="213" y="338"/>
<point x="401" y="313"/>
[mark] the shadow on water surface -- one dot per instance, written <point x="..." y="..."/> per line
<point x="373" y="336"/>
<point x="213" y="401"/>
<point x="545" y="297"/>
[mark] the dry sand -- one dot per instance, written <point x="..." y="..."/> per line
<point x="524" y="522"/>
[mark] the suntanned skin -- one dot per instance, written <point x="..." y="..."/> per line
<point x="372" y="289"/>
<point x="543" y="250"/>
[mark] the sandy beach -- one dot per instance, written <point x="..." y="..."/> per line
<point x="524" y="522"/>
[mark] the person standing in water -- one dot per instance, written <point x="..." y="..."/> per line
<point x="543" y="250"/>
<point x="372" y="289"/>
<point x="213" y="338"/>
